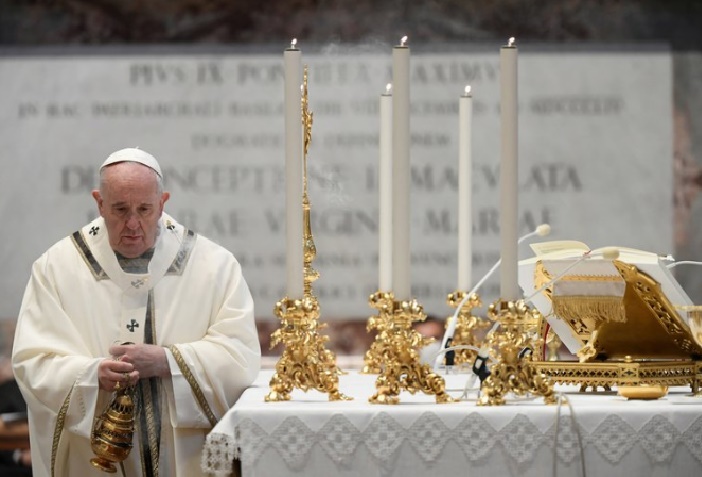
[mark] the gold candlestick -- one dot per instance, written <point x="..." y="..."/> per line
<point x="513" y="349"/>
<point x="305" y="363"/>
<point x="373" y="359"/>
<point x="467" y="326"/>
<point x="397" y="344"/>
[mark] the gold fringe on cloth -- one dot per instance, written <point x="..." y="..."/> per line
<point x="695" y="314"/>
<point x="607" y="308"/>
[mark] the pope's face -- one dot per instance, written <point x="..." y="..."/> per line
<point x="131" y="203"/>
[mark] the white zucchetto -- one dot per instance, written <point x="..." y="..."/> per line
<point x="133" y="154"/>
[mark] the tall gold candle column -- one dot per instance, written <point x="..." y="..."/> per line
<point x="397" y="342"/>
<point x="401" y="171"/>
<point x="306" y="363"/>
<point x="380" y="301"/>
<point x="511" y="344"/>
<point x="293" y="170"/>
<point x="509" y="287"/>
<point x="461" y="327"/>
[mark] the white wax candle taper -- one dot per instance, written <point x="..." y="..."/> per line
<point x="385" y="192"/>
<point x="465" y="217"/>
<point x="293" y="171"/>
<point x="509" y="287"/>
<point x="401" y="171"/>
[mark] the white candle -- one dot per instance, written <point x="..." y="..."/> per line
<point x="509" y="288"/>
<point x="293" y="171"/>
<point x="401" y="171"/>
<point x="385" y="192"/>
<point x="465" y="215"/>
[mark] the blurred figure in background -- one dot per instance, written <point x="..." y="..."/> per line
<point x="14" y="462"/>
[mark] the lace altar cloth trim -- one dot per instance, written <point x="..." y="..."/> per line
<point x="520" y="439"/>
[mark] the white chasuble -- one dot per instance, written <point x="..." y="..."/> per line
<point x="192" y="300"/>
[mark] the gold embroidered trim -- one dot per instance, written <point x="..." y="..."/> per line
<point x="151" y="410"/>
<point x="58" y="429"/>
<point x="151" y="425"/>
<point x="608" y="309"/>
<point x="194" y="386"/>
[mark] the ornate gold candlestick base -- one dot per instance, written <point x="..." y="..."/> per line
<point x="467" y="326"/>
<point x="397" y="344"/>
<point x="382" y="302"/>
<point x="305" y="363"/>
<point x="513" y="348"/>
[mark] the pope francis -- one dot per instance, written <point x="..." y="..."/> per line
<point x="132" y="299"/>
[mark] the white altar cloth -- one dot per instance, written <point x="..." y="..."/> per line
<point x="595" y="435"/>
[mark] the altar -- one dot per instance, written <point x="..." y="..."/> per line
<point x="602" y="297"/>
<point x="585" y="434"/>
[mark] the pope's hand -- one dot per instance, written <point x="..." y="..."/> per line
<point x="114" y="374"/>
<point x="148" y="360"/>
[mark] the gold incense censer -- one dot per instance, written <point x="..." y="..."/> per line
<point x="111" y="439"/>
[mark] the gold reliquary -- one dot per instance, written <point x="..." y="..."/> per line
<point x="619" y="311"/>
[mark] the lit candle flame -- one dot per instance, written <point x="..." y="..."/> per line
<point x="388" y="88"/>
<point x="293" y="43"/>
<point x="467" y="90"/>
<point x="511" y="41"/>
<point x="403" y="41"/>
